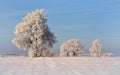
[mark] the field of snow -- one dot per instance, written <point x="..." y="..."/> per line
<point x="20" y="65"/>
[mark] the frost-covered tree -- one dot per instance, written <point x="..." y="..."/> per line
<point x="95" y="50"/>
<point x="34" y="35"/>
<point x="45" y="52"/>
<point x="71" y="48"/>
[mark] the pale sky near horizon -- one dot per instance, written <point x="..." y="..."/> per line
<point x="82" y="19"/>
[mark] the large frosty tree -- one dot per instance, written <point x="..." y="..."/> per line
<point x="95" y="50"/>
<point x="34" y="35"/>
<point x="70" y="48"/>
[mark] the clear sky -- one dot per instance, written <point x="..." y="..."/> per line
<point x="82" y="19"/>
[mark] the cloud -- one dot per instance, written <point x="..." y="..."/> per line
<point x="110" y="38"/>
<point x="6" y="36"/>
<point x="70" y="27"/>
<point x="12" y="13"/>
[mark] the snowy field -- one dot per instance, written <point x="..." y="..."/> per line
<point x="20" y="65"/>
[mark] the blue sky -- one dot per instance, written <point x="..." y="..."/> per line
<point x="82" y="19"/>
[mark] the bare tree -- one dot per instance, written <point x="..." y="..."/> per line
<point x="34" y="35"/>
<point x="71" y="48"/>
<point x="95" y="50"/>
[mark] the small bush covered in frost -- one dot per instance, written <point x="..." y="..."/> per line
<point x="107" y="54"/>
<point x="34" y="35"/>
<point x="71" y="48"/>
<point x="95" y="50"/>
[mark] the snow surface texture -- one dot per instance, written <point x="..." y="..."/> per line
<point x="60" y="66"/>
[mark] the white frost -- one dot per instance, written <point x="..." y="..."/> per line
<point x="95" y="50"/>
<point x="71" y="48"/>
<point x="34" y="35"/>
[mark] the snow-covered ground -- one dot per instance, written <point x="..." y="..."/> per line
<point x="59" y="66"/>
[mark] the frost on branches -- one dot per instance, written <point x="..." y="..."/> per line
<point x="34" y="35"/>
<point x="95" y="50"/>
<point x="71" y="48"/>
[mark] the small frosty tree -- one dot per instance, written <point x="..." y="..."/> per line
<point x="71" y="48"/>
<point x="95" y="50"/>
<point x="34" y="35"/>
